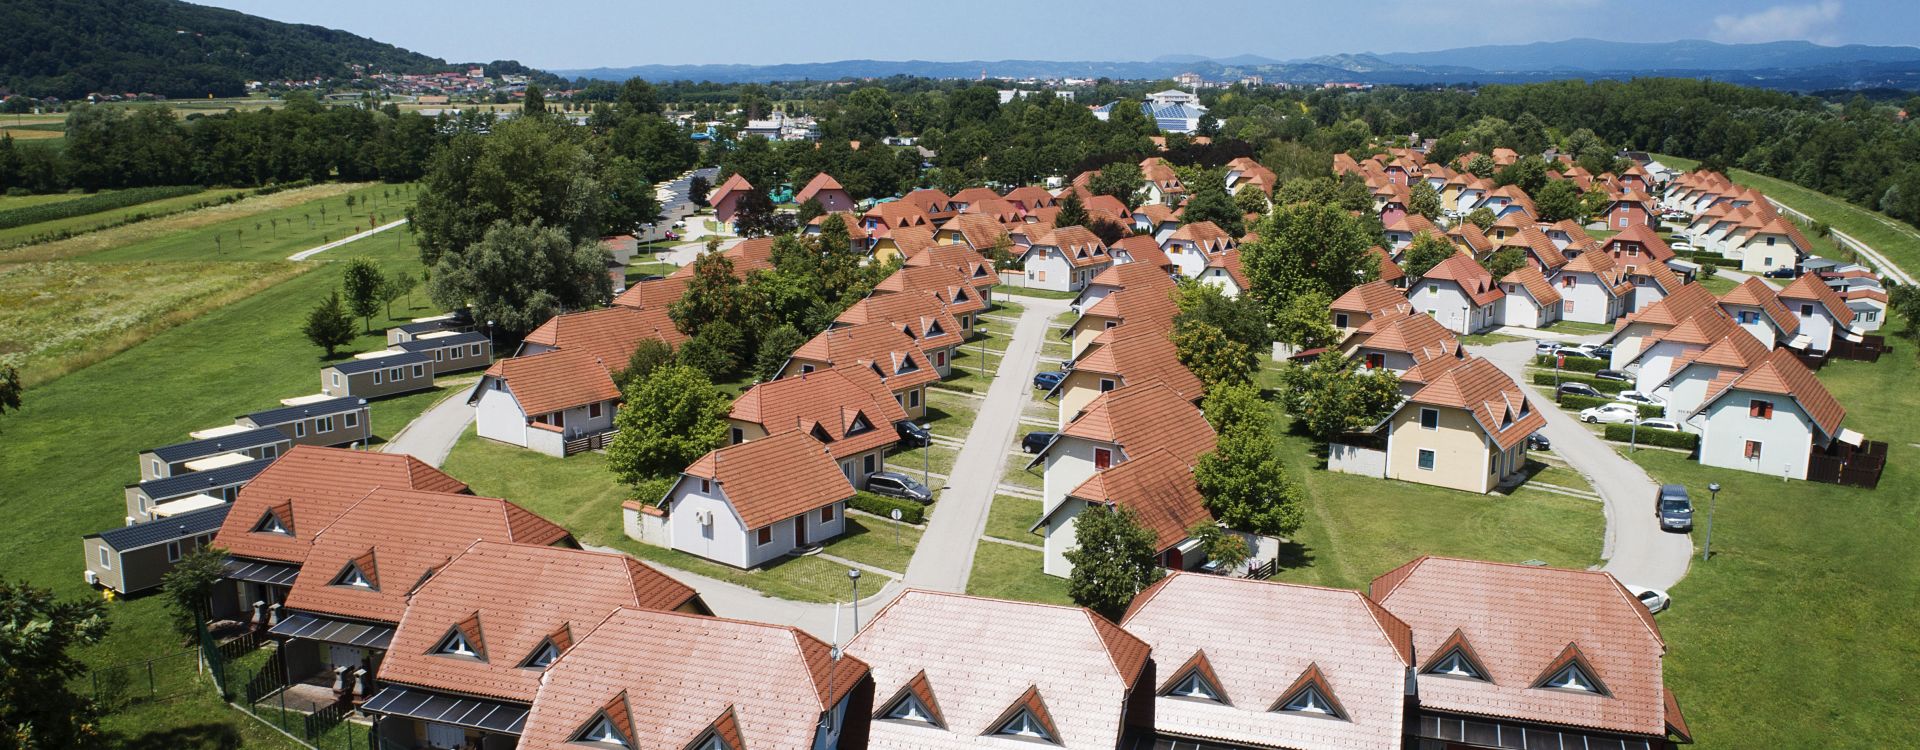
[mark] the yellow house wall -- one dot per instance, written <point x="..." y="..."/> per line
<point x="1461" y="455"/>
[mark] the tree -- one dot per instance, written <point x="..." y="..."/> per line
<point x="1210" y="202"/>
<point x="1504" y="261"/>
<point x="329" y="325"/>
<point x="1529" y="174"/>
<point x="1073" y="211"/>
<point x="1251" y="200"/>
<point x="1709" y="270"/>
<point x="1331" y="397"/>
<point x="1424" y="200"/>
<point x="1213" y="357"/>
<point x="715" y="350"/>
<point x="1240" y="317"/>
<point x="519" y="276"/>
<point x="1303" y="324"/>
<point x="775" y="347"/>
<point x="1482" y="217"/>
<point x="1428" y="250"/>
<point x="808" y="211"/>
<point x="1560" y="199"/>
<point x="1245" y="485"/>
<point x="1114" y="559"/>
<point x="754" y="216"/>
<point x="1308" y="247"/>
<point x="527" y="171"/>
<point x="1481" y="165"/>
<point x="647" y="356"/>
<point x="1220" y="546"/>
<point x="188" y="587"/>
<point x="713" y="294"/>
<point x="1235" y="406"/>
<point x="672" y="416"/>
<point x="395" y="287"/>
<point x="697" y="188"/>
<point x="536" y="102"/>
<point x="38" y="634"/>
<point x="1120" y="179"/>
<point x="365" y="288"/>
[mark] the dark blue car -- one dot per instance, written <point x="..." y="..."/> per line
<point x="1048" y="379"/>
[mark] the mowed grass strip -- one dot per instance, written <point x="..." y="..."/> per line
<point x="163" y="238"/>
<point x="1005" y="572"/>
<point x="90" y="222"/>
<point x="61" y="316"/>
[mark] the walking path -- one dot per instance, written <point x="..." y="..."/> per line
<point x="310" y="252"/>
<point x="1637" y="551"/>
<point x="430" y="436"/>
<point x="944" y="558"/>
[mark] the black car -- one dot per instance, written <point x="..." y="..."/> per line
<point x="1603" y="352"/>
<point x="1048" y="379"/>
<point x="1539" y="442"/>
<point x="1614" y="375"/>
<point x="1782" y="273"/>
<point x="1034" y="442"/>
<point x="912" y="435"/>
<point x="896" y="484"/>
<point x="1578" y="389"/>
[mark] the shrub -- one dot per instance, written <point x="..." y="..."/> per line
<point x="882" y="506"/>
<point x="1603" y="386"/>
<point x="20" y="217"/>
<point x="1576" y="364"/>
<point x="1576" y="403"/>
<point x="1621" y="433"/>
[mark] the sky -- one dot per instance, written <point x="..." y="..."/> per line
<point x="573" y="34"/>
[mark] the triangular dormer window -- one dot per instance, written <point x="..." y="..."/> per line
<point x="875" y="367"/>
<point x="916" y="702"/>
<point x="1312" y="696"/>
<point x="1195" y="680"/>
<point x="909" y="708"/>
<point x="1027" y="718"/>
<point x="908" y="330"/>
<point x="935" y="329"/>
<point x="357" y="575"/>
<point x="456" y="644"/>
<point x="860" y="424"/>
<point x="1506" y="418"/>
<point x="1572" y="677"/>
<point x="543" y="656"/>
<point x="711" y="742"/>
<point x="907" y="365"/>
<point x="270" y="523"/>
<point x="1570" y="671"/>
<point x="601" y="731"/>
<point x="819" y="432"/>
<point x="960" y="295"/>
<point x="1455" y="658"/>
<point x="1195" y="685"/>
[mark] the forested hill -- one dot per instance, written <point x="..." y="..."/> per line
<point x="70" y="48"/>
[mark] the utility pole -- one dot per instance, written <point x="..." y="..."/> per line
<point x="1706" y="549"/>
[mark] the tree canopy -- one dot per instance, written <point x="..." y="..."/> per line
<point x="1115" y="559"/>
<point x="672" y="416"/>
<point x="520" y="275"/>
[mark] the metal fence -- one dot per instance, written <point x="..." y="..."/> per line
<point x="119" y="686"/>
<point x="258" y="686"/>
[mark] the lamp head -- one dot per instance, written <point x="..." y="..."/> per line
<point x="1714" y="487"/>
<point x="853" y="573"/>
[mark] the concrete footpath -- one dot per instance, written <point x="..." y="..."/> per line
<point x="430" y="436"/>
<point x="310" y="252"/>
<point x="944" y="559"/>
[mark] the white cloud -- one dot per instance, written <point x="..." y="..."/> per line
<point x="1807" y="21"/>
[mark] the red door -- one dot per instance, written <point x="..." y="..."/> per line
<point x="800" y="531"/>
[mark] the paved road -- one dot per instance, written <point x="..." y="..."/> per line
<point x="944" y="558"/>
<point x="430" y="436"/>
<point x="1636" y="550"/>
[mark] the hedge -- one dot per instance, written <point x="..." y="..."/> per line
<point x="882" y="506"/>
<point x="92" y="204"/>
<point x="1576" y="364"/>
<point x="1652" y="436"/>
<point x="1603" y="386"/>
<point x="1576" y="403"/>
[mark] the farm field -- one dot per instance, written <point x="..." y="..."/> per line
<point x="90" y="222"/>
<point x="175" y="230"/>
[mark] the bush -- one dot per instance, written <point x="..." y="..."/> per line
<point x="20" y="217"/>
<point x="1621" y="433"/>
<point x="882" y="506"/>
<point x="1576" y="403"/>
<point x="1603" y="386"/>
<point x="1575" y="364"/>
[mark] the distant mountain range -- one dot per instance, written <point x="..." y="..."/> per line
<point x="1784" y="65"/>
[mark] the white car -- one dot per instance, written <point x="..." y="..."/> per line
<point x="1661" y="424"/>
<point x="1655" y="600"/>
<point x="1637" y="397"/>
<point x="1576" y="350"/>
<point x="1680" y="247"/>
<point x="1614" y="413"/>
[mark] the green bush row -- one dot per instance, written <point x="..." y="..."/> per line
<point x="1576" y="364"/>
<point x="1650" y="436"/>
<point x="1576" y="403"/>
<point x="20" y="217"/>
<point x="1603" y="386"/>
<point x="882" y="506"/>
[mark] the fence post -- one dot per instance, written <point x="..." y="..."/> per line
<point x="152" y="693"/>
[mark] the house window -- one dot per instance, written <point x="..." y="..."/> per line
<point x="1566" y="282"/>
<point x="157" y="471"/>
<point x="1023" y="724"/>
<point x="1112" y="324"/>
<point x="1770" y="242"/>
<point x="376" y="377"/>
<point x="419" y="370"/>
<point x="739" y="436"/>
<point x="352" y="419"/>
<point x="940" y="359"/>
<point x="826" y="514"/>
<point x="1340" y="320"/>
<point x="1102" y="458"/>
<point x="439" y="354"/>
<point x="913" y="399"/>
<point x="706" y="486"/>
<point x="473" y="351"/>
<point x="1623" y="221"/>
<point x="1106" y="385"/>
<point x="143" y="503"/>
<point x="1433" y="290"/>
<point x="323" y="424"/>
<point x="336" y="379"/>
<point x="764" y="536"/>
<point x="1760" y="409"/>
<point x="868" y="465"/>
<point x="593" y="410"/>
<point x="804" y="369"/>
<point x="1753" y="450"/>
<point x="1376" y="361"/>
<point x="300" y="429"/>
<point x="1426" y="460"/>
<point x="1429" y="419"/>
<point x="1195" y="686"/>
<point x="395" y="374"/>
<point x="1806" y="310"/>
<point x="105" y="560"/>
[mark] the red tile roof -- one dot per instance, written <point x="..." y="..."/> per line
<point x="310" y="487"/>
<point x="1143" y="251"/>
<point x="552" y="381"/>
<point x="1536" y="284"/>
<point x="1782" y="374"/>
<point x="732" y="184"/>
<point x="1138" y="274"/>
<point x="1648" y="239"/>
<point x="1142" y="418"/>
<point x="911" y="240"/>
<point x="821" y="181"/>
<point x="1756" y="293"/>
<point x="1142" y="304"/>
<point x="776" y="478"/>
<point x="830" y="399"/>
<point x="1158" y="487"/>
<point x="397" y="537"/>
<point x="1470" y="276"/>
<point x="1519" y="619"/>
<point x="922" y="314"/>
<point x="681" y="674"/>
<point x="960" y="290"/>
<point x="1372" y="298"/>
<point x="1810" y="288"/>
<point x="514" y="593"/>
<point x="1140" y="355"/>
<point x="1499" y="405"/>
<point x="900" y="359"/>
<point x="1080" y="246"/>
<point x="655" y="294"/>
<point x="1031" y="197"/>
<point x="899" y="214"/>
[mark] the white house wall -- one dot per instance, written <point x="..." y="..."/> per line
<point x="1785" y="440"/>
<point x="498" y="416"/>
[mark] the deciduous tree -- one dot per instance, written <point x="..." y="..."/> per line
<point x="365" y="288"/>
<point x="1504" y="261"/>
<point x="1560" y="199"/>
<point x="1223" y="547"/>
<point x="647" y="356"/>
<point x="672" y="416"/>
<point x="519" y="276"/>
<point x="1303" y="324"/>
<point x="1428" y="250"/>
<point x="1423" y="199"/>
<point x="527" y="171"/>
<point x="188" y="587"/>
<point x="38" y="635"/>
<point x="775" y="347"/>
<point x="1331" y="396"/>
<point x="1115" y="559"/>
<point x="1245" y="485"/>
<point x="1308" y="247"/>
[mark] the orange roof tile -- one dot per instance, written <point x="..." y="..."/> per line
<point x="609" y="333"/>
<point x="552" y="381"/>
<point x="978" y="230"/>
<point x="829" y="398"/>
<point x="778" y="477"/>
<point x="1140" y="355"/>
<point x="1470" y="276"/>
<point x="1207" y="235"/>
<point x="1756" y="293"/>
<point x="1646" y="237"/>
<point x="1810" y="288"/>
<point x="1030" y="197"/>
<point x="1144" y="417"/>
<point x="732" y="184"/>
<point x="1782" y="374"/>
<point x="913" y="240"/>
<point x="821" y="181"/>
<point x="1158" y="487"/>
<point x="1143" y="251"/>
<point x="1081" y="246"/>
<point x="960" y="290"/>
<point x="898" y="357"/>
<point x="1417" y="335"/>
<point x="654" y="294"/>
<point x="896" y="215"/>
<point x="310" y="487"/>
<point x="1372" y="298"/>
<point x="1499" y="405"/>
<point x="1536" y="284"/>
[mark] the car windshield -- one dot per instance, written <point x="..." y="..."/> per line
<point x="1674" y="503"/>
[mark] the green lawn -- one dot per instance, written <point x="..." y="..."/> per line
<point x="273" y="235"/>
<point x="90" y="222"/>
<point x="965" y="371"/>
<point x="1718" y="285"/>
<point x="1004" y="572"/>
<point x="1899" y="242"/>
<point x="1004" y="306"/>
<point x="1578" y="328"/>
<point x="882" y="544"/>
<point x="639" y="271"/>
<point x="139" y="240"/>
<point x="1011" y="517"/>
<point x="1017" y="475"/>
<point x="937" y="459"/>
<point x="950" y="414"/>
<point x="9" y="202"/>
<point x="71" y="448"/>
<point x="1488" y="338"/>
<point x="1028" y="292"/>
<point x="1801" y="629"/>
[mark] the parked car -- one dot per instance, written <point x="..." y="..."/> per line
<point x="1661" y="424"/>
<point x="1614" y="413"/>
<point x="1047" y="379"/>
<point x="1034" y="442"/>
<point x="1618" y="376"/>
<point x="1575" y="350"/>
<point x="1545" y="347"/>
<point x="1680" y="247"/>
<point x="896" y="484"/>
<point x="911" y="434"/>
<point x="1539" y="442"/>
<point x="1637" y="397"/>
<point x="672" y="235"/>
<point x="1655" y="600"/>
<point x="679" y="225"/>
<point x="1673" y="508"/>
<point x="1578" y="389"/>
<point x="1782" y="273"/>
<point x="1600" y="351"/>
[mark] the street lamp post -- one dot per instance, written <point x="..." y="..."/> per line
<point x="853" y="575"/>
<point x="926" y="465"/>
<point x="1706" y="550"/>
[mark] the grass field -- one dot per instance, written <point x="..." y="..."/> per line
<point x="189" y="236"/>
<point x="1800" y="631"/>
<point x="22" y="201"/>
<point x="1899" y="242"/>
<point x="90" y="222"/>
<point x="1718" y="284"/>
<point x="1011" y="517"/>
<point x="1006" y="572"/>
<point x="71" y="448"/>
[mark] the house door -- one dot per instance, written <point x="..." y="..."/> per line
<point x="800" y="531"/>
